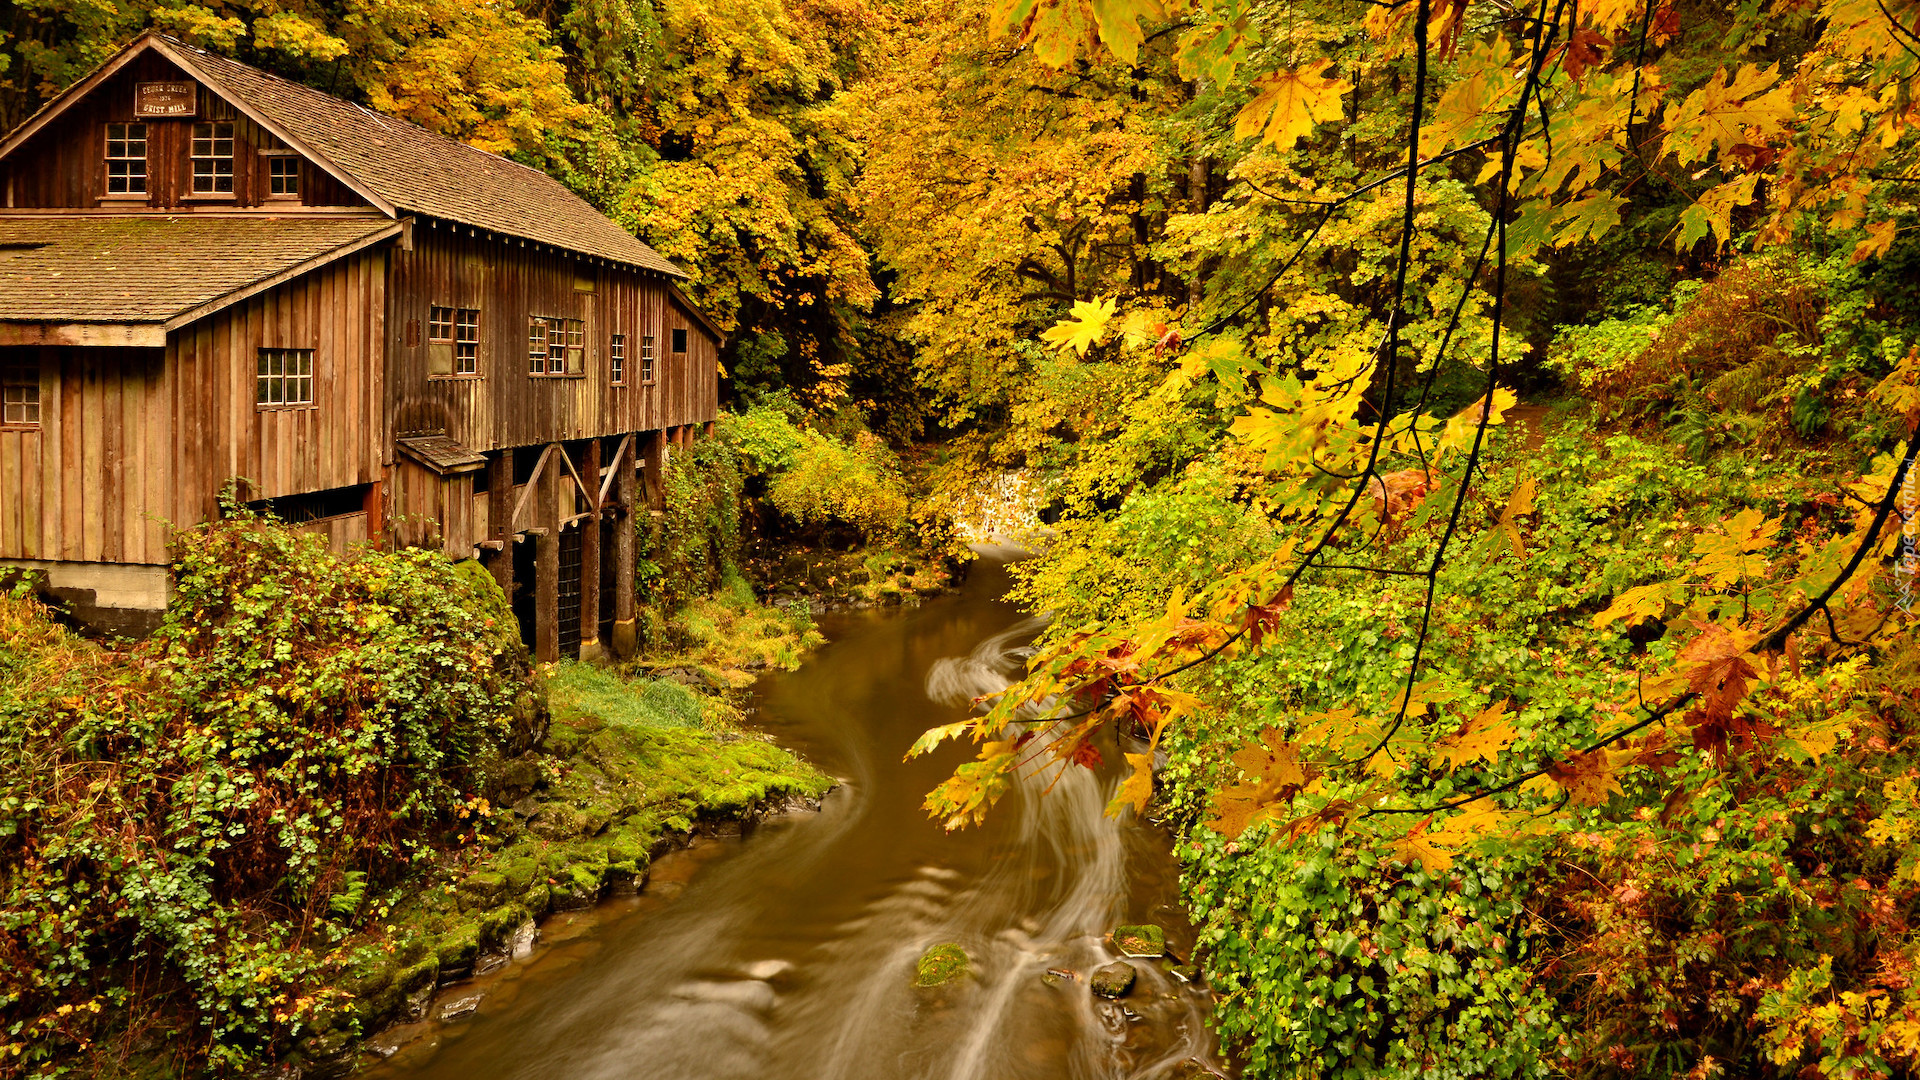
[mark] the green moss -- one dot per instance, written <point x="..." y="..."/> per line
<point x="941" y="964"/>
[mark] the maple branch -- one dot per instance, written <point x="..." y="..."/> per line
<point x="1510" y="147"/>
<point x="1773" y="641"/>
<point x="1777" y="640"/>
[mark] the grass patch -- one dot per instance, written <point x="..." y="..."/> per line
<point x="578" y="690"/>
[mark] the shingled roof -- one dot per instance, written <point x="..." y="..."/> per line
<point x="402" y="165"/>
<point x="417" y="170"/>
<point x="154" y="269"/>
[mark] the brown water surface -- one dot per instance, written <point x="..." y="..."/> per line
<point x="789" y="954"/>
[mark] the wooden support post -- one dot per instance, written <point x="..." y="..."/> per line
<point x="706" y="430"/>
<point x="656" y="450"/>
<point x="546" y="570"/>
<point x="626" y="639"/>
<point x="590" y="558"/>
<point x="375" y="504"/>
<point x="500" y="519"/>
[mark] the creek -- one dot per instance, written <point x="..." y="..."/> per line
<point x="789" y="953"/>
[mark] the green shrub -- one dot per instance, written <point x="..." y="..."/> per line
<point x="181" y="826"/>
<point x="857" y="483"/>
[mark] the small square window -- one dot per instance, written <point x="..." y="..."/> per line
<point x="283" y="175"/>
<point x="617" y="359"/>
<point x="126" y="159"/>
<point x="20" y="395"/>
<point x="679" y="339"/>
<point x="439" y="324"/>
<point x="283" y="377"/>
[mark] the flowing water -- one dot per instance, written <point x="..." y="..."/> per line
<point x="790" y="954"/>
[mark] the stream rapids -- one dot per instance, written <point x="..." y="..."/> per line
<point x="790" y="954"/>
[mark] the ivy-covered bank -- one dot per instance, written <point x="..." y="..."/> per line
<point x="325" y="787"/>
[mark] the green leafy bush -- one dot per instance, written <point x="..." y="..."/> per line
<point x="857" y="483"/>
<point x="180" y="826"/>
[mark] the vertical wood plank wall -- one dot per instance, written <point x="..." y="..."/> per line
<point x="132" y="439"/>
<point x="504" y="406"/>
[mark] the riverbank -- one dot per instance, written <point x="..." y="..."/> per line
<point x="629" y="770"/>
<point x="324" y="789"/>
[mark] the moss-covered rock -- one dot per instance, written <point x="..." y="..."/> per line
<point x="1144" y="940"/>
<point x="940" y="965"/>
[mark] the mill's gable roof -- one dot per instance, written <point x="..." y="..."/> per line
<point x="399" y="166"/>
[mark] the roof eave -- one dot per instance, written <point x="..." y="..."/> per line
<point x="59" y="103"/>
<point x="234" y="296"/>
<point x="98" y="335"/>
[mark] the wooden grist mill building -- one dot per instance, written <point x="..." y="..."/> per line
<point x="209" y="274"/>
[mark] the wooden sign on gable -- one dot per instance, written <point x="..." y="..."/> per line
<point x="164" y="99"/>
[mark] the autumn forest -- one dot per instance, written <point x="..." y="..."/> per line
<point x="1474" y="441"/>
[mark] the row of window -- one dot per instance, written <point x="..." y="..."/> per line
<point x="555" y="346"/>
<point x="212" y="155"/>
<point x="284" y="377"/>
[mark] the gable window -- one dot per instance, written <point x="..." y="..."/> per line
<point x="646" y="358"/>
<point x="283" y="176"/>
<point x="617" y="359"/>
<point x="556" y="346"/>
<point x="20" y="395"/>
<point x="679" y="339"/>
<point x="126" y="159"/>
<point x="213" y="158"/>
<point x="284" y="378"/>
<point x="453" y="341"/>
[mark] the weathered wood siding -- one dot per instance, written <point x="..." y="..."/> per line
<point x="64" y="165"/>
<point x="504" y="406"/>
<point x="339" y="311"/>
<point x="133" y="439"/>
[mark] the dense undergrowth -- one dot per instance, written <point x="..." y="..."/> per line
<point x="1495" y="884"/>
<point x="183" y="820"/>
<point x="324" y="788"/>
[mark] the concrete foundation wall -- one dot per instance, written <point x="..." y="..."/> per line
<point x="111" y="598"/>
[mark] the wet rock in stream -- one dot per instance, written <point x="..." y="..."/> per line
<point x="1114" y="980"/>
<point x="940" y="964"/>
<point x="1145" y="941"/>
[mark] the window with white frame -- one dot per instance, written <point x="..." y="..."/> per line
<point x="283" y="176"/>
<point x="284" y="378"/>
<point x="453" y="341"/>
<point x="20" y="393"/>
<point x="213" y="158"/>
<point x="126" y="159"/>
<point x="617" y="359"/>
<point x="556" y="346"/>
<point x="646" y="358"/>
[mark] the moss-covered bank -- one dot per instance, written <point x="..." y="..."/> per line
<point x="325" y="787"/>
<point x="629" y="769"/>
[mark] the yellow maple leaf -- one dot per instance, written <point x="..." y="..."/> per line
<point x="1082" y="327"/>
<point x="1416" y="845"/>
<point x="1879" y="240"/>
<point x="1479" y="739"/>
<point x="1727" y="111"/>
<point x="1286" y="105"/>
<point x="1137" y="789"/>
<point x="1634" y="605"/>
